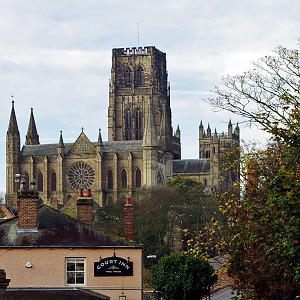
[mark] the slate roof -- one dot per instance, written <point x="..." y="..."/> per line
<point x="57" y="230"/>
<point x="189" y="166"/>
<point x="122" y="146"/>
<point x="51" y="149"/>
<point x="53" y="293"/>
<point x="44" y="149"/>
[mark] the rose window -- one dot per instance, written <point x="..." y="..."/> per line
<point x="81" y="175"/>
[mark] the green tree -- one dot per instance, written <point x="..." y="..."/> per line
<point x="190" y="189"/>
<point x="264" y="219"/>
<point x="151" y="218"/>
<point x="183" y="277"/>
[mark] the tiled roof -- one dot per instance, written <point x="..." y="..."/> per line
<point x="44" y="149"/>
<point x="51" y="149"/>
<point x="188" y="166"/>
<point x="56" y="230"/>
<point x="122" y="146"/>
<point x="53" y="293"/>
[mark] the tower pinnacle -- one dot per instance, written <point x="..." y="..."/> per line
<point x="32" y="137"/>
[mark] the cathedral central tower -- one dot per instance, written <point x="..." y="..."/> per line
<point x="139" y="79"/>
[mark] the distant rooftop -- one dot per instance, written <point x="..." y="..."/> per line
<point x="189" y="166"/>
<point x="51" y="149"/>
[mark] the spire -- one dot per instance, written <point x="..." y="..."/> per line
<point x="208" y="130"/>
<point x="201" y="131"/>
<point x="149" y="138"/>
<point x="99" y="143"/>
<point x="32" y="137"/>
<point x="61" y="141"/>
<point x="61" y="145"/>
<point x="216" y="134"/>
<point x="177" y="134"/>
<point x="13" y="125"/>
<point x="229" y="128"/>
<point x="237" y="130"/>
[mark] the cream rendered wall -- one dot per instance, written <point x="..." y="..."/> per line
<point x="48" y="269"/>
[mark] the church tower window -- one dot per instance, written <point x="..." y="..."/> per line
<point x="26" y="178"/>
<point x="140" y="76"/>
<point x="128" y="77"/>
<point x="138" y="178"/>
<point x="124" y="179"/>
<point x="53" y="181"/>
<point x="40" y="183"/>
<point x="138" y="124"/>
<point x="110" y="179"/>
<point x="128" y="124"/>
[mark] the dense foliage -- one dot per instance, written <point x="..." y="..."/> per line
<point x="183" y="277"/>
<point x="262" y="228"/>
<point x="191" y="190"/>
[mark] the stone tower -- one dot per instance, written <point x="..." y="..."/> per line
<point x="212" y="146"/>
<point x="138" y="79"/>
<point x="12" y="158"/>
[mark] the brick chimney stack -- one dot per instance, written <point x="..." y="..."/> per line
<point x="27" y="208"/>
<point x="3" y="284"/>
<point x="128" y="218"/>
<point x="85" y="207"/>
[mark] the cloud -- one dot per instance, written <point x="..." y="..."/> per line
<point x="55" y="56"/>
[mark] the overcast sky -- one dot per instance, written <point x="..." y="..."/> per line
<point x="56" y="57"/>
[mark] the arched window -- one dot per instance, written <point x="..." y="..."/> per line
<point x="124" y="179"/>
<point x="110" y="179"/>
<point x="140" y="76"/>
<point x="138" y="178"/>
<point x="138" y="124"/>
<point x="40" y="183"/>
<point x="26" y="178"/>
<point x="207" y="154"/>
<point x="128" y="77"/>
<point x="128" y="124"/>
<point x="53" y="181"/>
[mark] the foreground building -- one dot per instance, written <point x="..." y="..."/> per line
<point x="47" y="250"/>
<point x="141" y="150"/>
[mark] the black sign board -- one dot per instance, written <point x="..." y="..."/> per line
<point x="113" y="266"/>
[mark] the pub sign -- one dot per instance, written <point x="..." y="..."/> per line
<point x="113" y="266"/>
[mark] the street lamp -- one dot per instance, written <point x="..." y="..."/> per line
<point x="122" y="296"/>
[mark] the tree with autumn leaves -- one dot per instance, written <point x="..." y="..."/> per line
<point x="261" y="226"/>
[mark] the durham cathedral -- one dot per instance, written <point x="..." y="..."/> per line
<point x="142" y="149"/>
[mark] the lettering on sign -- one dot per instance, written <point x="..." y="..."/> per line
<point x="113" y="266"/>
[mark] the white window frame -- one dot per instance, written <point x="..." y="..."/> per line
<point x="76" y="260"/>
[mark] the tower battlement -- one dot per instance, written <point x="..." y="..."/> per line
<point x="148" y="50"/>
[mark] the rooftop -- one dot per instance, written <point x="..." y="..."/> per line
<point x="189" y="166"/>
<point x="56" y="229"/>
<point x="52" y="293"/>
<point x="51" y="149"/>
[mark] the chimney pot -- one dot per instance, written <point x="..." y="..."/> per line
<point x="88" y="193"/>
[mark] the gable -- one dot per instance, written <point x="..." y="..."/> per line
<point x="82" y="145"/>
